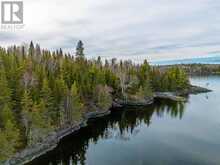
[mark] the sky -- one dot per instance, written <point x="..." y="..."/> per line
<point x="126" y="29"/>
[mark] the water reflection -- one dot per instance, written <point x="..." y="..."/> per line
<point x="120" y="125"/>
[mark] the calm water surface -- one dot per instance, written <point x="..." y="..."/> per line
<point x="166" y="133"/>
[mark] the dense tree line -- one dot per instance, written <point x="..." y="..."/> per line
<point x="201" y="69"/>
<point x="196" y="69"/>
<point x="41" y="91"/>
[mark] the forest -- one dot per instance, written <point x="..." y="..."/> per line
<point x="42" y="91"/>
<point x="198" y="69"/>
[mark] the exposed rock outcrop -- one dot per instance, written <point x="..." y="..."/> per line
<point x="169" y="95"/>
<point x="143" y="102"/>
<point x="193" y="90"/>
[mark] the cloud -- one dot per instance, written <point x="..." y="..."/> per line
<point x="127" y="29"/>
<point x="7" y="36"/>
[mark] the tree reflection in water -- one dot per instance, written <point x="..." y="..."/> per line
<point x="120" y="125"/>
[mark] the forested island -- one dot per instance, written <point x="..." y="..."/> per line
<point x="42" y="93"/>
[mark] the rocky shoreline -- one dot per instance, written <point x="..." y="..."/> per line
<point x="51" y="142"/>
<point x="179" y="95"/>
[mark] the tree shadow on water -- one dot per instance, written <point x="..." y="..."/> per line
<point x="121" y="124"/>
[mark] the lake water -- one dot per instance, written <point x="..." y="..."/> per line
<point x="166" y="133"/>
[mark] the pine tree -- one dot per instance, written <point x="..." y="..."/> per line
<point x="46" y="95"/>
<point x="23" y="52"/>
<point x="76" y="103"/>
<point x="5" y="115"/>
<point x="38" y="50"/>
<point x="27" y="107"/>
<point x="102" y="97"/>
<point x="80" y="50"/>
<point x="9" y="140"/>
<point x="12" y="134"/>
<point x="147" y="88"/>
<point x="5" y="91"/>
<point x="31" y="49"/>
<point x="40" y="124"/>
<point x="144" y="73"/>
<point x="61" y="99"/>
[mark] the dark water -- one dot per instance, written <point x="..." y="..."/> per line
<point x="166" y="133"/>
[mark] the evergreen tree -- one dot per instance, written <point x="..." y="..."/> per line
<point x="9" y="140"/>
<point x="46" y="95"/>
<point x="31" y="49"/>
<point x="5" y="115"/>
<point x="26" y="112"/>
<point x="144" y="73"/>
<point x="102" y="97"/>
<point x="147" y="88"/>
<point x="5" y="91"/>
<point x="80" y="50"/>
<point x="38" y="50"/>
<point x="61" y="99"/>
<point x="76" y="104"/>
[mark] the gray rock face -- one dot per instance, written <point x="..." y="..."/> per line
<point x="192" y="90"/>
<point x="143" y="102"/>
<point x="169" y="95"/>
<point x="92" y="115"/>
<point x="47" y="145"/>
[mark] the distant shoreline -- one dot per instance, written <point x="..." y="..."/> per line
<point x="212" y="60"/>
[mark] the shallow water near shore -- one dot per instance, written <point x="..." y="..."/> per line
<point x="166" y="132"/>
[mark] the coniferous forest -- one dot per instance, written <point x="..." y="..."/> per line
<point x="43" y="91"/>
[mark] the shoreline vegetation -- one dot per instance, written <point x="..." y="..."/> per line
<point x="196" y="69"/>
<point x="46" y="95"/>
